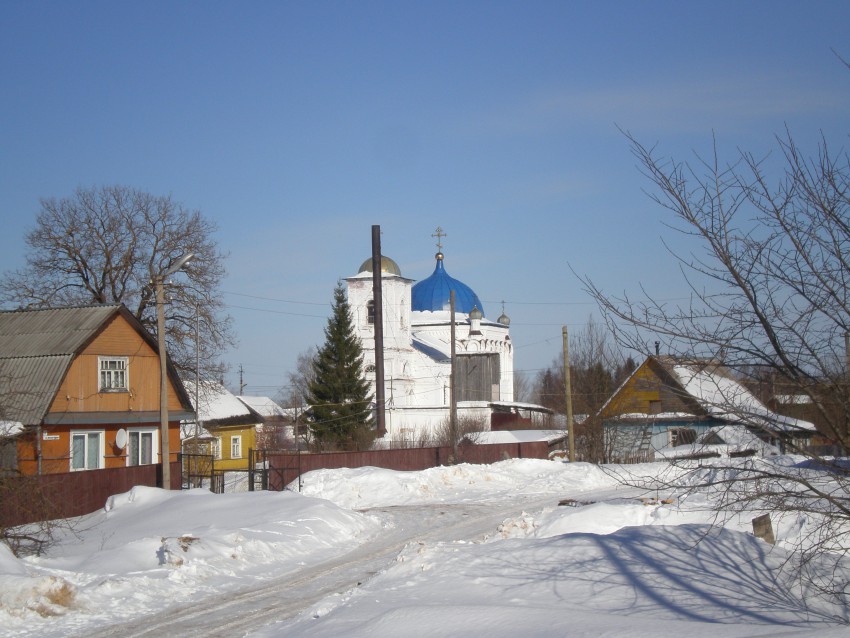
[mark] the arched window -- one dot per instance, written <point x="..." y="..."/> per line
<point x="370" y="311"/>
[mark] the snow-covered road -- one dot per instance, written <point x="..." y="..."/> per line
<point x="239" y="612"/>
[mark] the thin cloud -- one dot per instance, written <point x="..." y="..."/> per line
<point x="684" y="106"/>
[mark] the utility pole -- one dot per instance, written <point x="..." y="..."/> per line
<point x="847" y="353"/>
<point x="197" y="373"/>
<point x="569" y="397"/>
<point x="378" y="301"/>
<point x="165" y="446"/>
<point x="241" y="384"/>
<point x="453" y="379"/>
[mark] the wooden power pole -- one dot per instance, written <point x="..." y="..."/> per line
<point x="569" y="397"/>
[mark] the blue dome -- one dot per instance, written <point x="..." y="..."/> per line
<point x="432" y="294"/>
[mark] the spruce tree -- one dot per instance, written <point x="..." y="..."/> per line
<point x="339" y="393"/>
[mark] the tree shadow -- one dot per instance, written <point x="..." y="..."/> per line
<point x="687" y="572"/>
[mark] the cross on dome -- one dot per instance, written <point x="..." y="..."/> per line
<point x="439" y="234"/>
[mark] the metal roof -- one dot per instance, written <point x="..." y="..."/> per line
<point x="28" y="386"/>
<point x="50" y="331"/>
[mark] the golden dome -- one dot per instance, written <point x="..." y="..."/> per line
<point x="387" y="265"/>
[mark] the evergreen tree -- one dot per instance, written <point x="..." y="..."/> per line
<point x="339" y="393"/>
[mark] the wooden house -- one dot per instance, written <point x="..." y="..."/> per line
<point x="668" y="402"/>
<point x="82" y="385"/>
<point x="231" y="424"/>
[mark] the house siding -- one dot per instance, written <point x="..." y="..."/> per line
<point x="227" y="462"/>
<point x="79" y="392"/>
<point x="648" y="391"/>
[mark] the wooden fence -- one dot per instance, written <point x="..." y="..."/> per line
<point x="285" y="468"/>
<point x="77" y="493"/>
<point x="28" y="499"/>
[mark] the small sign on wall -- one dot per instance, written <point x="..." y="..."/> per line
<point x="50" y="437"/>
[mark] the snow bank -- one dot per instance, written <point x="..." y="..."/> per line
<point x="374" y="487"/>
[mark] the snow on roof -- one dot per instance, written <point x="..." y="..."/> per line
<point x="215" y="402"/>
<point x="518" y="436"/>
<point x="10" y="428"/>
<point x="660" y="416"/>
<point x="434" y="348"/>
<point x="519" y="405"/>
<point x="263" y="406"/>
<point x="725" y="398"/>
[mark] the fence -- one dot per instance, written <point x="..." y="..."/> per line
<point x="27" y="499"/>
<point x="77" y="493"/>
<point x="283" y="469"/>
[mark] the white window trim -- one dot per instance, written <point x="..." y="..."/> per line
<point x="155" y="443"/>
<point x="100" y="386"/>
<point x="236" y="438"/>
<point x="101" y="436"/>
<point x="217" y="450"/>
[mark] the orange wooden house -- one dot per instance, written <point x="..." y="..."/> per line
<point x="80" y="390"/>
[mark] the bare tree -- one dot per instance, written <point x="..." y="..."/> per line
<point x="107" y="244"/>
<point x="769" y="292"/>
<point x="468" y="430"/>
<point x="295" y="394"/>
<point x="522" y="387"/>
<point x="596" y="366"/>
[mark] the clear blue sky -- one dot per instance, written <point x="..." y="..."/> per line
<point x="298" y="125"/>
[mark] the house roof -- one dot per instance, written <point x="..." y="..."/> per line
<point x="721" y="395"/>
<point x="218" y="406"/>
<point x="715" y="392"/>
<point x="264" y="406"/>
<point x="38" y="346"/>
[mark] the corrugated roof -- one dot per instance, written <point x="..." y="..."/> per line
<point x="50" y="331"/>
<point x="29" y="384"/>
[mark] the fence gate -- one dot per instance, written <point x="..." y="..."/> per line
<point x="198" y="469"/>
<point x="272" y="469"/>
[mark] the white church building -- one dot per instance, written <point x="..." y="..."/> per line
<point x="417" y="353"/>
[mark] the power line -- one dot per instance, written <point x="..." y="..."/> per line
<point x="306" y="303"/>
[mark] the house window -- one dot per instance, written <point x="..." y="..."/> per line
<point x="86" y="450"/>
<point x="682" y="436"/>
<point x="113" y="374"/>
<point x="236" y="447"/>
<point x="142" y="447"/>
<point x="216" y="448"/>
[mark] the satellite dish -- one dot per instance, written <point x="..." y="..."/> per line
<point x="121" y="438"/>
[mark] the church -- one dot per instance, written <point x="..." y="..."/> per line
<point x="417" y="353"/>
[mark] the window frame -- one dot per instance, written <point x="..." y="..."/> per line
<point x="139" y="431"/>
<point x="236" y="445"/>
<point x="216" y="448"/>
<point x="101" y="435"/>
<point x="681" y="435"/>
<point x="101" y="360"/>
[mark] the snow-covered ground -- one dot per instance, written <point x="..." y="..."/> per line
<point x="607" y="563"/>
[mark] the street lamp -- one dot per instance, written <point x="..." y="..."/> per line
<point x="159" y="282"/>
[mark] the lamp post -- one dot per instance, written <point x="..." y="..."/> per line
<point x="159" y="282"/>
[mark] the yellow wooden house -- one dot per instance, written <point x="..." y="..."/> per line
<point x="231" y="425"/>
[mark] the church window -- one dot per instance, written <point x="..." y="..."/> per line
<point x="370" y="311"/>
